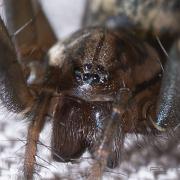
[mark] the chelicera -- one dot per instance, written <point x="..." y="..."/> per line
<point x="106" y="82"/>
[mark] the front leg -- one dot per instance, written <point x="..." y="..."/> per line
<point x="37" y="121"/>
<point x="28" y="26"/>
<point x="32" y="35"/>
<point x="16" y="97"/>
<point x="108" y="145"/>
<point x="14" y="94"/>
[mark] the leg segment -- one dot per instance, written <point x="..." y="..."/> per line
<point x="168" y="108"/>
<point x="14" y="94"/>
<point x="16" y="97"/>
<point x="32" y="36"/>
<point x="28" y="25"/>
<point x="107" y="152"/>
<point x="35" y="127"/>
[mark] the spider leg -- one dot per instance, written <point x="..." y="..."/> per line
<point x="35" y="127"/>
<point x="32" y="36"/>
<point x="106" y="152"/>
<point x="169" y="102"/>
<point x="14" y="94"/>
<point x="16" y="97"/>
<point x="28" y="25"/>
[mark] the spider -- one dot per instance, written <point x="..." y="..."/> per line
<point x="100" y="83"/>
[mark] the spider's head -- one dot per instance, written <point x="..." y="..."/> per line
<point x="84" y="64"/>
<point x="94" y="64"/>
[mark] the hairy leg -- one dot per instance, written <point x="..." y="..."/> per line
<point x="37" y="121"/>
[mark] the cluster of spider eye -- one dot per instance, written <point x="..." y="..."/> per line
<point x="89" y="76"/>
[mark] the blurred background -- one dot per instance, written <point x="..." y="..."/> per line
<point x="65" y="16"/>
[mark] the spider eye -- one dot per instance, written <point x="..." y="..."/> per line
<point x="77" y="73"/>
<point x="86" y="77"/>
<point x="95" y="78"/>
<point x="89" y="75"/>
<point x="87" y="67"/>
<point x="91" y="78"/>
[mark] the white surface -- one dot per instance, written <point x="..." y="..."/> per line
<point x="65" y="15"/>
